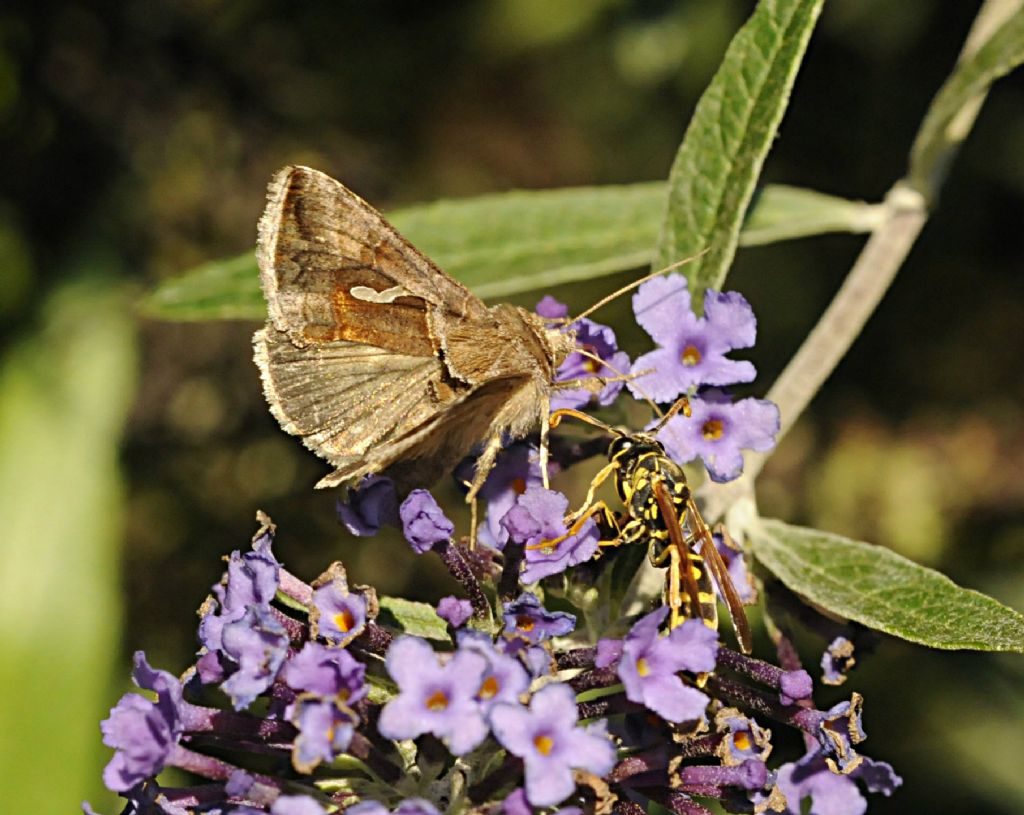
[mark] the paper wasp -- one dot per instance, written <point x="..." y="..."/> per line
<point x="660" y="510"/>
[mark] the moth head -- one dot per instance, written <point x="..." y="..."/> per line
<point x="561" y="342"/>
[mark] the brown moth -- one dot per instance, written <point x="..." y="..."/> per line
<point x="376" y="358"/>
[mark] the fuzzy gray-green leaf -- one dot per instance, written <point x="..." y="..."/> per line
<point x="411" y="617"/>
<point x="516" y="242"/>
<point x="968" y="83"/>
<point x="885" y="591"/>
<point x="717" y="165"/>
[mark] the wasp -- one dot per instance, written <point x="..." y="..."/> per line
<point x="659" y="509"/>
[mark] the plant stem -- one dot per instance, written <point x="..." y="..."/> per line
<point x="906" y="210"/>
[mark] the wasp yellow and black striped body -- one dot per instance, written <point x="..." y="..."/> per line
<point x="657" y="498"/>
<point x="659" y="511"/>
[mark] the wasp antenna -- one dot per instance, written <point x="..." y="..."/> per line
<point x="681" y="405"/>
<point x="630" y="286"/>
<point x="556" y="417"/>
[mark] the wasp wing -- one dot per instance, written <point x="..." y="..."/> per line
<point x="720" y="572"/>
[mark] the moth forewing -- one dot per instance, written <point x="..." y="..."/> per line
<point x="376" y="358"/>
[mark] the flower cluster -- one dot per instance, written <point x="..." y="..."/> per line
<point x="366" y="712"/>
<point x="692" y="356"/>
<point x="313" y="698"/>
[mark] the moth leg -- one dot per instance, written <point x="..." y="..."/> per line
<point x="484" y="465"/>
<point x="472" y="524"/>
<point x="545" y="431"/>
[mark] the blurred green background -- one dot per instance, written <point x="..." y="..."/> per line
<point x="137" y="140"/>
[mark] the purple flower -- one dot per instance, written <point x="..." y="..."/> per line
<point x="296" y="805"/>
<point x="546" y="737"/>
<point x="691" y="349"/>
<point x="367" y="808"/>
<point x="504" y="679"/>
<point x="536" y="521"/>
<point x="252" y="580"/>
<point x="515" y="802"/>
<point x="829" y="793"/>
<point x="551" y="309"/>
<point x="536" y="658"/>
<point x="517" y="468"/>
<point x="736" y="563"/>
<point x="744" y="739"/>
<point x="415" y="806"/>
<point x="598" y="341"/>
<point x="325" y="728"/>
<point x="837" y="660"/>
<point x="258" y="645"/>
<point x="410" y="806"/>
<point x="332" y="672"/>
<point x="454" y="611"/>
<point x="369" y="506"/>
<point x="338" y="615"/>
<point x="424" y="524"/>
<point x="434" y="698"/>
<point x="649" y="663"/>
<point x="794" y="686"/>
<point x="718" y="429"/>
<point x="143" y="733"/>
<point x="838" y="730"/>
<point x="525" y="617"/>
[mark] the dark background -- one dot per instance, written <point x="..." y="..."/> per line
<point x="137" y="139"/>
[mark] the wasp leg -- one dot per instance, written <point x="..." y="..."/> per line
<point x="596" y="482"/>
<point x="574" y="527"/>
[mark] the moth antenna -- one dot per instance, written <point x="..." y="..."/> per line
<point x="624" y="376"/>
<point x="629" y="286"/>
<point x="682" y="404"/>
<point x="605" y="364"/>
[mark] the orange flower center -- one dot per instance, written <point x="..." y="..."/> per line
<point x="345" y="621"/>
<point x="712" y="429"/>
<point x="437" y="701"/>
<point x="741" y="740"/>
<point x="642" y="667"/>
<point x="543" y="744"/>
<point x="691" y="356"/>
<point x="524" y="623"/>
<point x="591" y="366"/>
<point x="519" y="486"/>
<point x="489" y="689"/>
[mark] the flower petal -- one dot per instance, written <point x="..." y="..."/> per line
<point x="660" y="306"/>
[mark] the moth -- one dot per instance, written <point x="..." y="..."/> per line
<point x="377" y="359"/>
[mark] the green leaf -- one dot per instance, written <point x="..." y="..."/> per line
<point x="968" y="83"/>
<point x="516" y="242"/>
<point x="885" y="591"/>
<point x="779" y="212"/>
<point x="227" y="289"/>
<point x="522" y="240"/>
<point x="717" y="165"/>
<point x="411" y="617"/>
